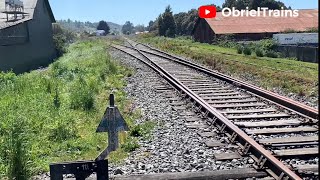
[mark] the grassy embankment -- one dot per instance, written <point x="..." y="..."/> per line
<point x="290" y="75"/>
<point x="51" y="115"/>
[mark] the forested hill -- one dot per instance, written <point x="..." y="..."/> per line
<point x="78" y="26"/>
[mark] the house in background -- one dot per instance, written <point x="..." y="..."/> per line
<point x="100" y="33"/>
<point x="252" y="28"/>
<point x="26" y="39"/>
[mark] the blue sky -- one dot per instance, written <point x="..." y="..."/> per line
<point x="137" y="11"/>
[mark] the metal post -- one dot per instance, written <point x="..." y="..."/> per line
<point x="111" y="98"/>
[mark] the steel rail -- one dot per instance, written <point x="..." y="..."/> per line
<point x="284" y="101"/>
<point x="264" y="157"/>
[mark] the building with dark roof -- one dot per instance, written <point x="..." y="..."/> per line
<point x="252" y="28"/>
<point x="26" y="39"/>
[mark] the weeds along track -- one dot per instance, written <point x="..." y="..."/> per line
<point x="279" y="134"/>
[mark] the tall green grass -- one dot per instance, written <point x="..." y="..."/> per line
<point x="51" y="115"/>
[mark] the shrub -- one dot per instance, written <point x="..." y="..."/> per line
<point x="226" y="41"/>
<point x="271" y="54"/>
<point x="239" y="49"/>
<point x="259" y="52"/>
<point x="247" y="51"/>
<point x="267" y="44"/>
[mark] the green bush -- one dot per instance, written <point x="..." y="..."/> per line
<point x="271" y="54"/>
<point x="247" y="51"/>
<point x="226" y="41"/>
<point x="259" y="52"/>
<point x="239" y="49"/>
<point x="267" y="44"/>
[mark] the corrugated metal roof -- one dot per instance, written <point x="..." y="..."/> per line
<point x="29" y="7"/>
<point x="238" y="25"/>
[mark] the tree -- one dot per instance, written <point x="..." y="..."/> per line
<point x="161" y="28"/>
<point x="127" y="28"/>
<point x="167" y="25"/>
<point x="139" y="28"/>
<point x="104" y="26"/>
<point x="61" y="37"/>
<point x="180" y="20"/>
<point x="150" y="25"/>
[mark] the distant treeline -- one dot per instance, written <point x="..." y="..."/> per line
<point x="78" y="26"/>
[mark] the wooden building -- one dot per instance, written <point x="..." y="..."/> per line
<point x="26" y="39"/>
<point x="252" y="28"/>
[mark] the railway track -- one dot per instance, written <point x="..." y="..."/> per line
<point x="279" y="134"/>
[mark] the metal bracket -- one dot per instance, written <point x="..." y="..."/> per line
<point x="214" y="119"/>
<point x="205" y="115"/>
<point x="194" y="104"/>
<point x="233" y="137"/>
<point x="222" y="127"/>
<point x="282" y="177"/>
<point x="261" y="161"/>
<point x="246" y="148"/>
<point x="182" y="94"/>
<point x="81" y="169"/>
<point x="198" y="108"/>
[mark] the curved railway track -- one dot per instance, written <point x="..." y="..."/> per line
<point x="279" y="134"/>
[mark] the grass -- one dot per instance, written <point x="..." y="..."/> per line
<point x="289" y="75"/>
<point x="51" y="115"/>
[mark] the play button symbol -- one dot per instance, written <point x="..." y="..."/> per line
<point x="207" y="11"/>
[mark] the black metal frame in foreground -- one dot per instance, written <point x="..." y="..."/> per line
<point x="81" y="169"/>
